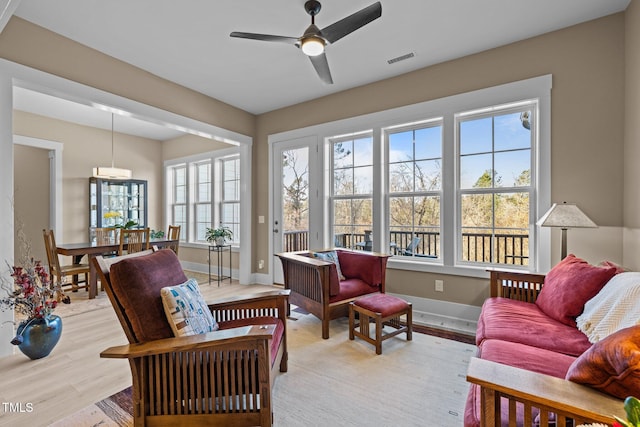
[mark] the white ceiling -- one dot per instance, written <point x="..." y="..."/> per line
<point x="188" y="42"/>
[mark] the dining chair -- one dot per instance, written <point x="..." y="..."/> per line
<point x="174" y="234"/>
<point x="59" y="272"/>
<point x="106" y="235"/>
<point x="135" y="240"/>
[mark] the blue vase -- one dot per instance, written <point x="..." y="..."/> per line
<point x="39" y="336"/>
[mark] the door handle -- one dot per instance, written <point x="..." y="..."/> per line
<point x="275" y="230"/>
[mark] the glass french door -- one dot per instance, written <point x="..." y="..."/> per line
<point x="295" y="198"/>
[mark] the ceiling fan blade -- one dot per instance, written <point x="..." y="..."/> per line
<point x="337" y="30"/>
<point x="265" y="37"/>
<point x="322" y="67"/>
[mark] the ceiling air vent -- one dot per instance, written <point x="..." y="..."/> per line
<point x="400" y="58"/>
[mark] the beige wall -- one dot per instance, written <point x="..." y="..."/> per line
<point x="632" y="138"/>
<point x="587" y="64"/>
<point x="84" y="148"/>
<point x="31" y="200"/>
<point x="188" y="145"/>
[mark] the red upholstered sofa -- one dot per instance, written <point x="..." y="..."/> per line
<point x="534" y="364"/>
<point x="316" y="287"/>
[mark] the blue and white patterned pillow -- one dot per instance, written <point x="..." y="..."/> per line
<point x="186" y="310"/>
<point x="331" y="256"/>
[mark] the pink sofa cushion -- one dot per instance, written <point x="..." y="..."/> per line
<point x="520" y="356"/>
<point x="277" y="334"/>
<point x="523" y="322"/>
<point x="136" y="283"/>
<point x="569" y="285"/>
<point x="611" y="365"/>
<point x="526" y="357"/>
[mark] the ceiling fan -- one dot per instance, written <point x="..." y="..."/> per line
<point x="314" y="40"/>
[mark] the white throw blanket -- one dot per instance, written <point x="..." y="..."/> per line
<point x="615" y="307"/>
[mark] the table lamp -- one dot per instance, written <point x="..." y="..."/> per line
<point x="565" y="215"/>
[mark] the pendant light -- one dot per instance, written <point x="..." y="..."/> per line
<point x="111" y="172"/>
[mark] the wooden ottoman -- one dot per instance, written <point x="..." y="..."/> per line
<point x="386" y="310"/>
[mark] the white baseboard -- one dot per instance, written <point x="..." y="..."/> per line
<point x="261" y="279"/>
<point x="443" y="314"/>
<point x="204" y="269"/>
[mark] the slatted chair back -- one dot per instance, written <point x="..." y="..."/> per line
<point x="174" y="234"/>
<point x="59" y="273"/>
<point x="106" y="235"/>
<point x="135" y="240"/>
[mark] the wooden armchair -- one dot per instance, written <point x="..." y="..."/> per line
<point x="218" y="378"/>
<point x="59" y="272"/>
<point x="506" y="390"/>
<point x="315" y="286"/>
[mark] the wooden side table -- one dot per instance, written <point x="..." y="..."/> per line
<point x="219" y="250"/>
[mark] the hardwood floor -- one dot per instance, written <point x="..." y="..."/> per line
<point x="39" y="392"/>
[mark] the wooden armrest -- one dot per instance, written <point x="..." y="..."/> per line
<point x="250" y="298"/>
<point x="297" y="257"/>
<point x="556" y="394"/>
<point x="518" y="285"/>
<point x="193" y="342"/>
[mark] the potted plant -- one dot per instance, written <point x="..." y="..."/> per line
<point x="219" y="235"/>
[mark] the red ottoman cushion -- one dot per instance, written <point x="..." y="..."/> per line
<point x="384" y="304"/>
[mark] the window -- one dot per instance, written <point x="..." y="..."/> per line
<point x="202" y="199"/>
<point x="205" y="192"/>
<point x="230" y="203"/>
<point x="179" y="197"/>
<point x="352" y="190"/>
<point x="415" y="188"/>
<point x="452" y="185"/>
<point x="495" y="187"/>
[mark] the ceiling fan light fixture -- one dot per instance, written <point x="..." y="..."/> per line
<point x="312" y="46"/>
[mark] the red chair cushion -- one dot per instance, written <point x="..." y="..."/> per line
<point x="352" y="288"/>
<point x="136" y="283"/>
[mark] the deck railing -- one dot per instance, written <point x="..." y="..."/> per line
<point x="511" y="249"/>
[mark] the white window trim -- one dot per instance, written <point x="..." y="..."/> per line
<point x="535" y="88"/>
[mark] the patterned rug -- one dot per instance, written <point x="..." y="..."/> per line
<point x="411" y="382"/>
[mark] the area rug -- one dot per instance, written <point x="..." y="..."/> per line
<point x="343" y="382"/>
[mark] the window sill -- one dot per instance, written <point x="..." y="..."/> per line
<point x="481" y="272"/>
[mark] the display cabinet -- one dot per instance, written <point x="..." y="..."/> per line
<point x="113" y="202"/>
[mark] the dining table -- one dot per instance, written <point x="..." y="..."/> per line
<point x="93" y="249"/>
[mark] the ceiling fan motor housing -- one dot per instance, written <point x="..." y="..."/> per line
<point x="312" y="7"/>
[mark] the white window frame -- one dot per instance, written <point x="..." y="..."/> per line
<point x="221" y="201"/>
<point x="493" y="111"/>
<point x="538" y="88"/>
<point x="345" y="197"/>
<point x="191" y="162"/>
<point x="427" y="123"/>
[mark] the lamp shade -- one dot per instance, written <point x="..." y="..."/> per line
<point x="565" y="215"/>
<point x="113" y="173"/>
